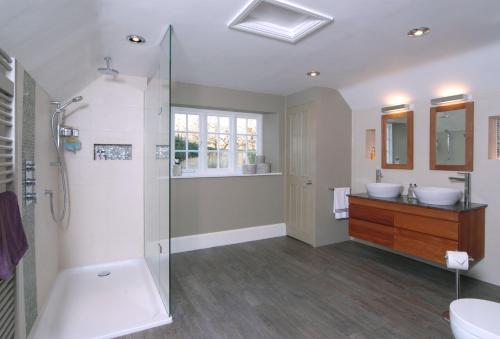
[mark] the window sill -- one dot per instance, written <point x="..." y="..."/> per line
<point x="195" y="176"/>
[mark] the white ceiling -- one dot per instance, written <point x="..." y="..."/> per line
<point x="62" y="42"/>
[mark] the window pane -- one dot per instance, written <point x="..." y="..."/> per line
<point x="251" y="158"/>
<point x="212" y="142"/>
<point x="252" y="143"/>
<point x="252" y="126"/>
<point x="241" y="143"/>
<point x="193" y="123"/>
<point x="181" y="157"/>
<point x="212" y="160"/>
<point x="193" y="160"/>
<point x="241" y="126"/>
<point x="180" y="141"/>
<point x="241" y="158"/>
<point x="223" y="141"/>
<point x="193" y="141"/>
<point x="180" y="122"/>
<point x="212" y="124"/>
<point x="223" y="159"/>
<point x="223" y="125"/>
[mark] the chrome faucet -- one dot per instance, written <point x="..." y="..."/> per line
<point x="378" y="175"/>
<point x="467" y="186"/>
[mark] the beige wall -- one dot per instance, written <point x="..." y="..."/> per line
<point x="332" y="168"/>
<point x="203" y="205"/>
<point x="477" y="76"/>
<point x="106" y="221"/>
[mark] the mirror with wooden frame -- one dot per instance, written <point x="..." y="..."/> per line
<point x="397" y="140"/>
<point x="452" y="137"/>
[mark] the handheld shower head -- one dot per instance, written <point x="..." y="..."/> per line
<point x="62" y="106"/>
<point x="108" y="70"/>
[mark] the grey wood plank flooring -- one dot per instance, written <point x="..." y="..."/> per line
<point x="282" y="288"/>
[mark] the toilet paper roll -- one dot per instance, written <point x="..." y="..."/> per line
<point x="457" y="260"/>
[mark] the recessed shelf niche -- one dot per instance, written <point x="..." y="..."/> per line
<point x="494" y="137"/>
<point x="370" y="152"/>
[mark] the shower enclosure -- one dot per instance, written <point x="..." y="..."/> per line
<point x="157" y="171"/>
<point x="123" y="296"/>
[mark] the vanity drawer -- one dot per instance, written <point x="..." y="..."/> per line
<point x="422" y="245"/>
<point x="372" y="214"/>
<point x="369" y="231"/>
<point x="441" y="228"/>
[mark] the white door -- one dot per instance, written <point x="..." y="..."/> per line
<point x="299" y="179"/>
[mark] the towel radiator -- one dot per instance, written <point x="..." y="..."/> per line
<point x="7" y="170"/>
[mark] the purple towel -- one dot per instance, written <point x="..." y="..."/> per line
<point x="13" y="244"/>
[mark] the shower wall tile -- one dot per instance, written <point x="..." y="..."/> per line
<point x="46" y="230"/>
<point x="28" y="214"/>
<point x="106" y="196"/>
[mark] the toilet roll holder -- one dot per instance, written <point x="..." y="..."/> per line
<point x="446" y="314"/>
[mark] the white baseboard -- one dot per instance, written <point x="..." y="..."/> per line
<point x="207" y="240"/>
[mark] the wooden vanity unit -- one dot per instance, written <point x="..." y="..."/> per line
<point x="420" y="230"/>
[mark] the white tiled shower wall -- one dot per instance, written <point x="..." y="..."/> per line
<point x="106" y="221"/>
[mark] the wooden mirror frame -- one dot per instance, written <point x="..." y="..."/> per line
<point x="409" y="140"/>
<point x="469" y="137"/>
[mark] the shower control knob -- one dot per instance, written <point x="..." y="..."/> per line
<point x="29" y="165"/>
<point x="28" y="182"/>
<point x="30" y="197"/>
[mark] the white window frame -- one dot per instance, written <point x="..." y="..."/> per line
<point x="203" y="169"/>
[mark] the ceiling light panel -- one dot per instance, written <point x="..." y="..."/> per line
<point x="279" y="19"/>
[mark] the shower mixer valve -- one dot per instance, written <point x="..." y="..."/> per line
<point x="68" y="131"/>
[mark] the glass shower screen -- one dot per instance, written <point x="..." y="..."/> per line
<point x="157" y="171"/>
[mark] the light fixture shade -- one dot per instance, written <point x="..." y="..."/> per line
<point x="448" y="99"/>
<point x="402" y="107"/>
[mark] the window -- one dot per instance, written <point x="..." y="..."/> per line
<point x="246" y="141"/>
<point x="187" y="140"/>
<point x="218" y="141"/>
<point x="215" y="142"/>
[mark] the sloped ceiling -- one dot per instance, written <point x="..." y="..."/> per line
<point x="62" y="42"/>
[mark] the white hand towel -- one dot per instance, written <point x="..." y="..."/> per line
<point x="341" y="202"/>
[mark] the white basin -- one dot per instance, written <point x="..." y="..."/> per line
<point x="384" y="190"/>
<point x="438" y="195"/>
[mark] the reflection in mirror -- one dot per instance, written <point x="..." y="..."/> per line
<point x="396" y="131"/>
<point x="397" y="140"/>
<point x="451" y="137"/>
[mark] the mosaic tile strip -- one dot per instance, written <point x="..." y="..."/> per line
<point x="112" y="152"/>
<point x="28" y="211"/>
<point x="162" y="152"/>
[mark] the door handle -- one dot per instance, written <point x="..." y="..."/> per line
<point x="308" y="182"/>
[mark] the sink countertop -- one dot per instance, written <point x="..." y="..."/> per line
<point x="403" y="199"/>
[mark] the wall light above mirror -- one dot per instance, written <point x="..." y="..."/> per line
<point x="450" y="99"/>
<point x="395" y="108"/>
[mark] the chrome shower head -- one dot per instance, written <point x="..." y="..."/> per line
<point x="108" y="70"/>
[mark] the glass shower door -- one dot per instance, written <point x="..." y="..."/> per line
<point x="157" y="172"/>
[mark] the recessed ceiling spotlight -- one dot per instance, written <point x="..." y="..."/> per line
<point x="417" y="32"/>
<point x="136" y="39"/>
<point x="313" y="73"/>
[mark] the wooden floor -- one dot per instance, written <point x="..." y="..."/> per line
<point x="282" y="288"/>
